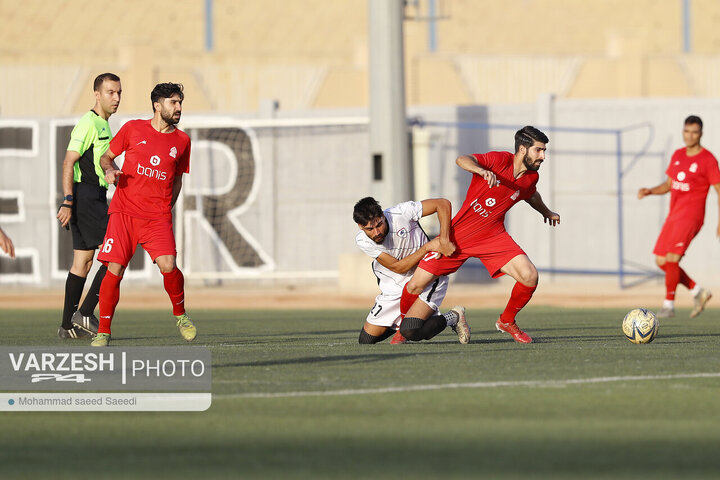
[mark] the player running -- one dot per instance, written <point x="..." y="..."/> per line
<point x="84" y="209"/>
<point x="499" y="181"/>
<point x="397" y="242"/>
<point x="691" y="172"/>
<point x="156" y="156"/>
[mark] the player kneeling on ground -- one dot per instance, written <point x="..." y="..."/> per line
<point x="397" y="242"/>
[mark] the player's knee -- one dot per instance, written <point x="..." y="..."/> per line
<point x="414" y="288"/>
<point x="410" y="328"/>
<point x="366" y="338"/>
<point x="529" y="276"/>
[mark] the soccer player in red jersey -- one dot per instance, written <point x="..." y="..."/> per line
<point x="691" y="172"/>
<point x="499" y="181"/>
<point x="156" y="156"/>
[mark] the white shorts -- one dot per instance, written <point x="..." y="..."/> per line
<point x="386" y="311"/>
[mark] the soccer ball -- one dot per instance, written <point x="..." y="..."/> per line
<point x="640" y="325"/>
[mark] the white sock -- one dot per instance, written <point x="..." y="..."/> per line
<point x="696" y="289"/>
<point x="451" y="317"/>
<point x="669" y="304"/>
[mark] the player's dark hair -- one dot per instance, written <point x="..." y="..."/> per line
<point x="111" y="77"/>
<point x="166" y="90"/>
<point x="527" y="136"/>
<point x="366" y="210"/>
<point x="693" y="119"/>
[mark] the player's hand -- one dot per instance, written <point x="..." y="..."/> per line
<point x="64" y="214"/>
<point x="643" y="192"/>
<point x="112" y="175"/>
<point x="489" y="177"/>
<point x="6" y="245"/>
<point x="552" y="218"/>
<point x="446" y="247"/>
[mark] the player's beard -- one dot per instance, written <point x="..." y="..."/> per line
<point x="530" y="165"/>
<point x="169" y="118"/>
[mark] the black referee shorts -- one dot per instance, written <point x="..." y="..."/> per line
<point x="89" y="216"/>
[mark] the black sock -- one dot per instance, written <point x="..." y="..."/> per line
<point x="73" y="291"/>
<point x="366" y="338"/>
<point x="416" y="329"/>
<point x="93" y="296"/>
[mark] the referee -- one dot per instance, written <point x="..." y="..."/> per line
<point x="84" y="207"/>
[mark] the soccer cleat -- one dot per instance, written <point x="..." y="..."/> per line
<point x="101" y="340"/>
<point x="666" y="312"/>
<point x="512" y="328"/>
<point x="187" y="329"/>
<point x="73" y="333"/>
<point x="398" y="338"/>
<point x="700" y="300"/>
<point x="89" y="324"/>
<point x="461" y="327"/>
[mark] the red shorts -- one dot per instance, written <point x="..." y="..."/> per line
<point x="124" y="233"/>
<point x="675" y="237"/>
<point x="494" y="252"/>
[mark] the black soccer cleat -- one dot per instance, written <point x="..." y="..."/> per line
<point x="88" y="324"/>
<point x="73" y="333"/>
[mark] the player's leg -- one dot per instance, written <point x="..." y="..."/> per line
<point x="383" y="320"/>
<point x="92" y="220"/>
<point x="116" y="252"/>
<point x="526" y="279"/>
<point x="74" y="284"/>
<point x="412" y="290"/>
<point x="174" y="283"/>
<point x="374" y="334"/>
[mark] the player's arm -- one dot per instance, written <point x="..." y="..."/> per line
<point x="470" y="163"/>
<point x="6" y="244"/>
<point x="177" y="186"/>
<point x="443" y="208"/>
<point x="536" y="202"/>
<point x="68" y="170"/>
<point x="409" y="262"/>
<point x="717" y="190"/>
<point x="661" y="189"/>
<point x="112" y="171"/>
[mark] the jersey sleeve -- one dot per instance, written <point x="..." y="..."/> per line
<point x="410" y="210"/>
<point x="183" y="164"/>
<point x="367" y="246"/>
<point x="119" y="143"/>
<point x="81" y="137"/>
<point x="713" y="173"/>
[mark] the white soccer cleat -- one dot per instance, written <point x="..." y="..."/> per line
<point x="700" y="300"/>
<point x="461" y="327"/>
<point x="665" y="312"/>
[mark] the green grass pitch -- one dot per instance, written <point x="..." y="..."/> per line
<point x="295" y="396"/>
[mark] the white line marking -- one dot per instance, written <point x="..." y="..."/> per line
<point x="449" y="386"/>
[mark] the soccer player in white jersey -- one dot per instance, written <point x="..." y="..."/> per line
<point x="397" y="242"/>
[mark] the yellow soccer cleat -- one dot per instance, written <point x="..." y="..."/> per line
<point x="187" y="329"/>
<point x="101" y="340"/>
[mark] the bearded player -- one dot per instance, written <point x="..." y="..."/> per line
<point x="397" y="242"/>
<point x="691" y="172"/>
<point x="156" y="156"/>
<point x="499" y="181"/>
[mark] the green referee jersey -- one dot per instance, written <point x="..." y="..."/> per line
<point x="90" y="138"/>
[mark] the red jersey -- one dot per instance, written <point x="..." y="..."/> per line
<point x="152" y="161"/>
<point x="691" y="178"/>
<point x="484" y="209"/>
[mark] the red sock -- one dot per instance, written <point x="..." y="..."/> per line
<point x="175" y="288"/>
<point x="685" y="279"/>
<point x="520" y="296"/>
<point x="672" y="278"/>
<point x="406" y="301"/>
<point x="109" y="297"/>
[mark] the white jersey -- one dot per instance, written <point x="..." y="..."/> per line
<point x="405" y="237"/>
